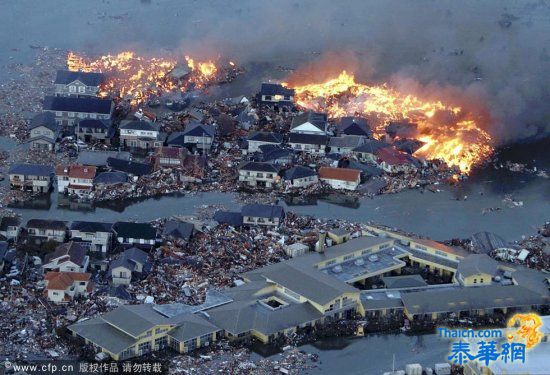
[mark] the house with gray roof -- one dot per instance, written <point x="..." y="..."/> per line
<point x="69" y="110"/>
<point x="44" y="131"/>
<point x="344" y="144"/>
<point x="300" y="176"/>
<point x="263" y="175"/>
<point x="178" y="230"/>
<point x="310" y="123"/>
<point x="354" y="126"/>
<point x="368" y="149"/>
<point x="274" y="93"/>
<point x="263" y="215"/>
<point x="95" y="131"/>
<point x="31" y="177"/>
<point x="308" y="143"/>
<point x="67" y="257"/>
<point x="138" y="135"/>
<point x="258" y="139"/>
<point x="99" y="158"/>
<point x="40" y="230"/>
<point x="70" y="83"/>
<point x="95" y="236"/>
<point x="129" y="234"/>
<point x="133" y="263"/>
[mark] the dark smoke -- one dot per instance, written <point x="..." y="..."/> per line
<point x="495" y="51"/>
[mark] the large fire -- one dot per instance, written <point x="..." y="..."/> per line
<point x="137" y="78"/>
<point x="460" y="143"/>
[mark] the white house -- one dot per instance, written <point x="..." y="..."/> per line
<point x="41" y="230"/>
<point x="263" y="138"/>
<point x="299" y="177"/>
<point x="62" y="287"/>
<point x="258" y="174"/>
<point x="132" y="262"/>
<point x="310" y="123"/>
<point x="75" y="179"/>
<point x="140" y="135"/>
<point x="67" y="257"/>
<point x="97" y="236"/>
<point x="340" y="178"/>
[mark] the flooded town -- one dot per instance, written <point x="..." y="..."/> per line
<point x="248" y="188"/>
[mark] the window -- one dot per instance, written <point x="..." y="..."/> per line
<point x="58" y="113"/>
<point x="81" y="89"/>
<point x="71" y="114"/>
<point x="481" y="280"/>
<point x="82" y="283"/>
<point x="267" y="97"/>
<point x="72" y="88"/>
<point x="475" y="281"/>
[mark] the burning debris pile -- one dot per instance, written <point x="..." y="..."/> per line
<point x="460" y="142"/>
<point x="138" y="78"/>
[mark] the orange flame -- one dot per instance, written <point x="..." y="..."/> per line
<point x="528" y="329"/>
<point x="137" y="78"/>
<point x="460" y="144"/>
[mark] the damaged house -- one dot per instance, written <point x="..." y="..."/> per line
<point x="62" y="287"/>
<point x="340" y="178"/>
<point x="140" y="135"/>
<point x="95" y="131"/>
<point x="168" y="157"/>
<point x="142" y="235"/>
<point x="310" y="123"/>
<point x="345" y="144"/>
<point x="133" y="262"/>
<point x="31" y="177"/>
<point x="67" y="257"/>
<point x="393" y="161"/>
<point x="299" y="176"/>
<point x="40" y="230"/>
<point x="263" y="215"/>
<point x="75" y="179"/>
<point x="273" y="93"/>
<point x="258" y="174"/>
<point x="354" y="126"/>
<point x="366" y="152"/>
<point x="10" y="227"/>
<point x="96" y="236"/>
<point x="263" y="138"/>
<point x="44" y="132"/>
<point x="309" y="143"/>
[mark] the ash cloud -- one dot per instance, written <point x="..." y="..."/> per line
<point x="492" y="51"/>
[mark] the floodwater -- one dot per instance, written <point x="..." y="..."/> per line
<point x="99" y="27"/>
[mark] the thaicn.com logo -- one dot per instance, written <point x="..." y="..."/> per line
<point x="508" y="345"/>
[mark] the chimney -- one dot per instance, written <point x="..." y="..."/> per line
<point x="320" y="245"/>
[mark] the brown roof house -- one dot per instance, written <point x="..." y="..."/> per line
<point x="62" y="287"/>
<point x="340" y="178"/>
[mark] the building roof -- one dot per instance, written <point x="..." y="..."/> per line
<point x="135" y="230"/>
<point x="139" y="125"/>
<point x="9" y="221"/>
<point x="346" y="141"/>
<point x="46" y="224"/>
<point x="298" y="172"/>
<point x="266" y="137"/>
<point x="391" y="156"/>
<point x="275" y="89"/>
<point x="111" y="178"/>
<point x="317" y="119"/>
<point x="354" y="126"/>
<point x="308" y="139"/>
<point x="31" y="170"/>
<point x="63" y="280"/>
<point x="99" y="158"/>
<point x="135" y="319"/>
<point x="46" y="119"/>
<point x="371" y="146"/>
<point x="103" y="334"/>
<point x="485" y="242"/>
<point x="258" y="167"/>
<point x="76" y="171"/>
<point x="477" y="263"/>
<point x="441" y="247"/>
<point x="91" y="226"/>
<point x="405" y="281"/>
<point x="178" y="229"/>
<point x="76" y="104"/>
<point x="130" y="167"/>
<point x="470" y="298"/>
<point x="176" y="138"/>
<point x="263" y="210"/>
<point x="191" y="326"/>
<point x="170" y="152"/>
<point x="196" y="129"/>
<point x="129" y="258"/>
<point x="234" y="219"/>
<point x="64" y="77"/>
<point x="90" y="123"/>
<point x="342" y="174"/>
<point x="72" y="250"/>
<point x="276" y="154"/>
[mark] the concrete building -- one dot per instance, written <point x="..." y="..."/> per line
<point x="31" y="177"/>
<point x="340" y="178"/>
